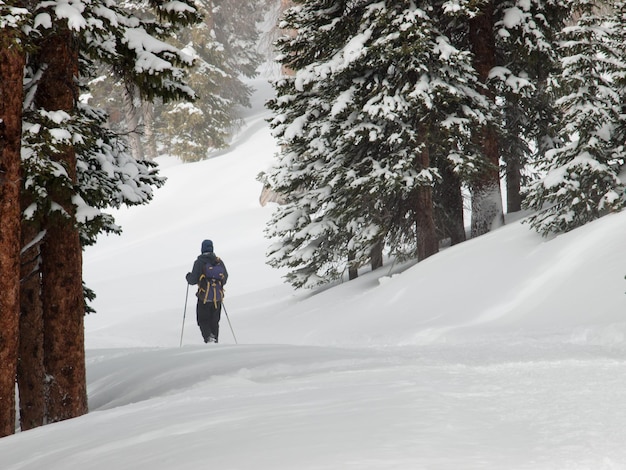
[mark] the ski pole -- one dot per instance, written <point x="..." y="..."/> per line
<point x="184" y="314"/>
<point x="229" y="324"/>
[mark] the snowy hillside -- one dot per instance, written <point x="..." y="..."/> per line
<point x="505" y="352"/>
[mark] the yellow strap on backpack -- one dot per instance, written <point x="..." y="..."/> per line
<point x="211" y="283"/>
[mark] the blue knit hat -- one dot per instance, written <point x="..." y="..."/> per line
<point x="207" y="246"/>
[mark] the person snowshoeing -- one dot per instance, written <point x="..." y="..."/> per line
<point x="210" y="274"/>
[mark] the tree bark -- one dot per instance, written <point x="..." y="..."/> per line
<point x="30" y="370"/>
<point x="376" y="256"/>
<point x="353" y="271"/>
<point x="513" y="185"/>
<point x="427" y="243"/>
<point x="131" y="112"/>
<point x="449" y="211"/>
<point x="11" y="94"/>
<point x="62" y="290"/>
<point x="486" y="193"/>
<point x="148" y="125"/>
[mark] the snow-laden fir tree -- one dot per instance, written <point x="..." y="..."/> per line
<point x="471" y="28"/>
<point x="224" y="46"/>
<point x="378" y="93"/>
<point x="191" y="129"/>
<point x="104" y="34"/>
<point x="527" y="34"/>
<point x="74" y="168"/>
<point x="581" y="181"/>
<point x="618" y="38"/>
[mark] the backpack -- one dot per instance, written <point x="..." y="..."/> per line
<point x="210" y="284"/>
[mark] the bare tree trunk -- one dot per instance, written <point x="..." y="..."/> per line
<point x="148" y="125"/>
<point x="376" y="256"/>
<point x="486" y="194"/>
<point x="30" y="370"/>
<point x="63" y="314"/>
<point x="427" y="243"/>
<point x="513" y="185"/>
<point x="11" y="97"/>
<point x="132" y="108"/>
<point x="62" y="290"/>
<point x="353" y="271"/>
<point x="449" y="213"/>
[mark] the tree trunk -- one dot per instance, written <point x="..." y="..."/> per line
<point x="63" y="314"/>
<point x="62" y="290"/>
<point x="486" y="209"/>
<point x="353" y="271"/>
<point x="427" y="243"/>
<point x="30" y="370"/>
<point x="486" y="194"/>
<point x="376" y="256"/>
<point x="11" y="97"/>
<point x="513" y="185"/>
<point x="449" y="212"/>
<point x="131" y="113"/>
<point x="148" y="125"/>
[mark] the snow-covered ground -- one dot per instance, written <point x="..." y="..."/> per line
<point x="505" y="352"/>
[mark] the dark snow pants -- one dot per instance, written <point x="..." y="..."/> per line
<point x="208" y="316"/>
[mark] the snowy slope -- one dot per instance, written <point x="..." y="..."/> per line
<point x="505" y="352"/>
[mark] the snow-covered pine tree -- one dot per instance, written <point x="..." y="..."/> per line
<point x="105" y="34"/>
<point x="237" y="28"/>
<point x="224" y="46"/>
<point x="469" y="26"/>
<point x="378" y="92"/>
<point x="581" y="181"/>
<point x="74" y="166"/>
<point x="192" y="128"/>
<point x="294" y="174"/>
<point x="526" y="35"/>
<point x="486" y="197"/>
<point x="618" y="38"/>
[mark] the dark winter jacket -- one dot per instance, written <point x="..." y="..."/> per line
<point x="194" y="276"/>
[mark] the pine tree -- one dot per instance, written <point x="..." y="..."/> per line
<point x="527" y="50"/>
<point x="224" y="46"/>
<point x="194" y="128"/>
<point x="75" y="168"/>
<point x="236" y="28"/>
<point x="487" y="208"/>
<point x="618" y="41"/>
<point x="581" y="180"/>
<point x="378" y="93"/>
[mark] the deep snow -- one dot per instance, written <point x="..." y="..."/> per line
<point x="505" y="352"/>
